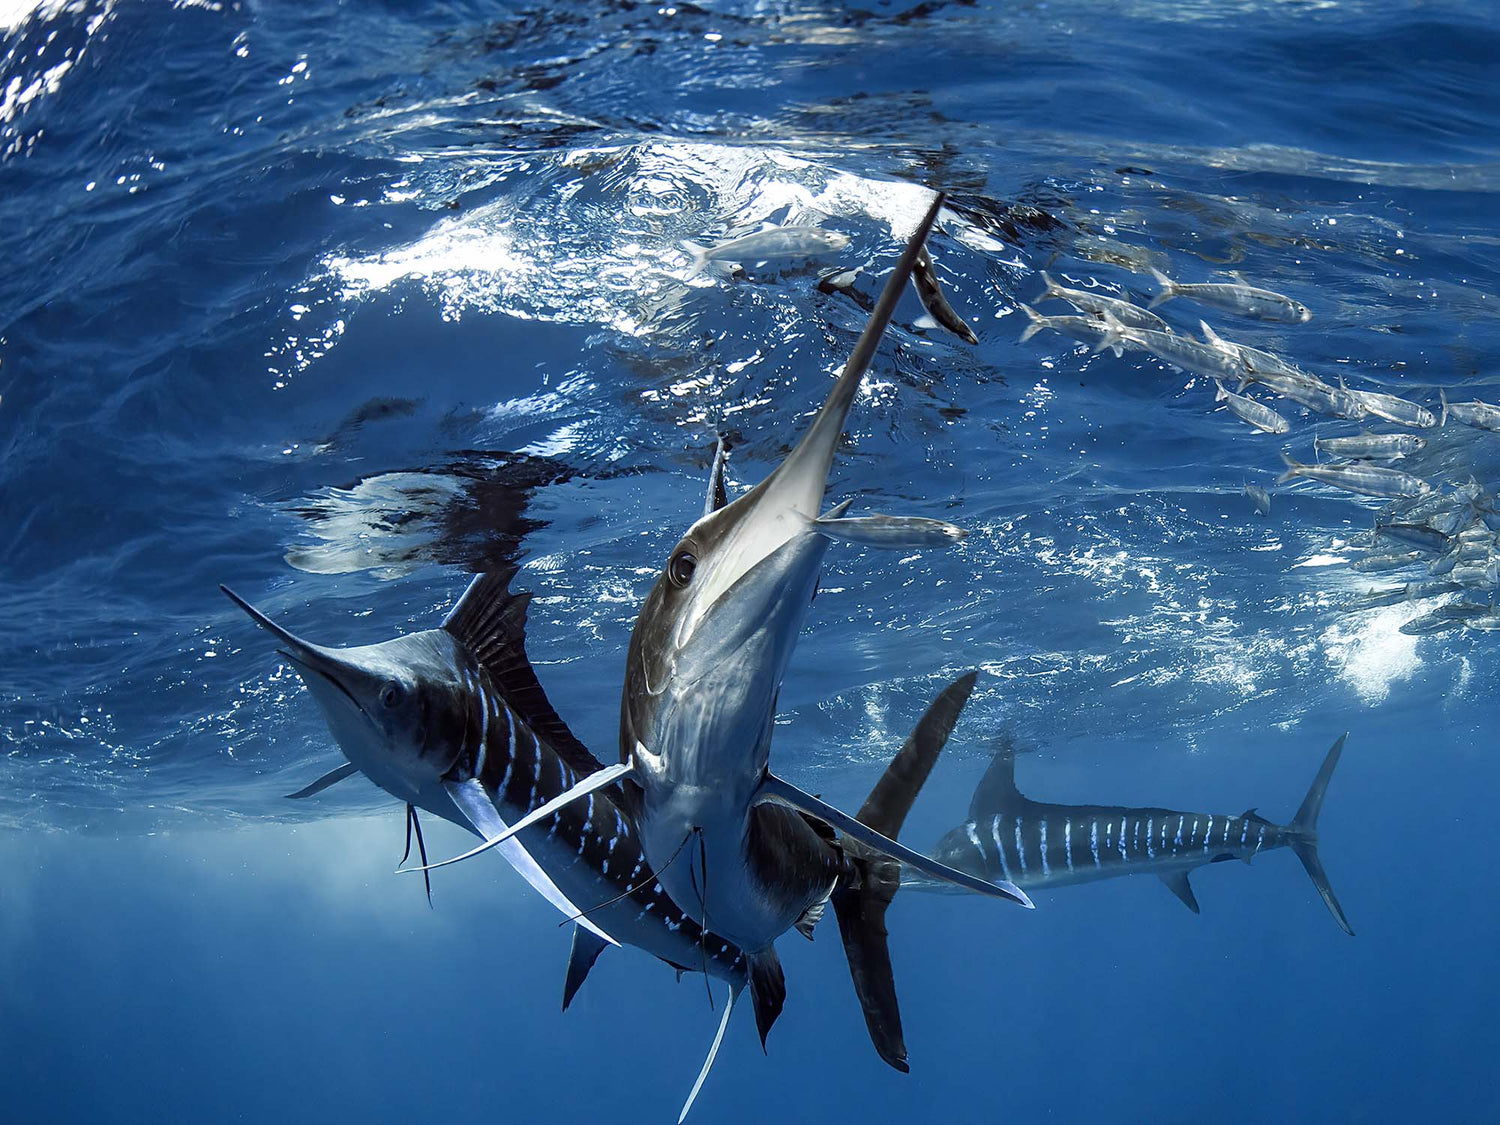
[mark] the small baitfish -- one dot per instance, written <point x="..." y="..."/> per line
<point x="1256" y="414"/>
<point x="1369" y="480"/>
<point x="1238" y="297"/>
<point x="1182" y="352"/>
<point x="1454" y="615"/>
<point x="1393" y="560"/>
<point x="1484" y="576"/>
<point x="1369" y="446"/>
<point x="1260" y="497"/>
<point x="1099" y="334"/>
<point x="1412" y="591"/>
<point x="1285" y="379"/>
<point x="1480" y="415"/>
<point x="1417" y="535"/>
<point x="767" y="244"/>
<point x="1132" y="316"/>
<point x="924" y="280"/>
<point x="1393" y="408"/>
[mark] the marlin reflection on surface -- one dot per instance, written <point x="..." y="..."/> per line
<point x="706" y="660"/>
<point x="1039" y="846"/>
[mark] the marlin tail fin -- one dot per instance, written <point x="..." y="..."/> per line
<point x="1168" y="288"/>
<point x="861" y="910"/>
<point x="1304" y="835"/>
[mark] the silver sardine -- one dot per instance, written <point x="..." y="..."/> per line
<point x="1239" y="297"/>
<point x="1132" y="316"/>
<point x="1369" y="480"/>
<point x="1480" y="415"/>
<point x="1371" y="446"/>
<point x="1098" y="334"/>
<point x="770" y="243"/>
<point x="1257" y="414"/>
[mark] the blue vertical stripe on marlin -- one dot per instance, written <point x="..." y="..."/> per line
<point x="1037" y="845"/>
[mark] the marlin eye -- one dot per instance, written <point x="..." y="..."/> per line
<point x="391" y="694"/>
<point x="680" y="568"/>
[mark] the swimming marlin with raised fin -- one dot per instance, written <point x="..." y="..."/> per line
<point x="465" y="696"/>
<point x="1039" y="846"/>
<point x="706" y="660"/>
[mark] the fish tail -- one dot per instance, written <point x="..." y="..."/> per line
<point x="1114" y="333"/>
<point x="860" y="909"/>
<point x="1443" y="395"/>
<point x="1038" y="322"/>
<point x="1293" y="469"/>
<point x="699" y="255"/>
<point x="1304" y="835"/>
<point x="1168" y="288"/>
<point x="1052" y="290"/>
<point x="1223" y="394"/>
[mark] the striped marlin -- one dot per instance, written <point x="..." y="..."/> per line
<point x="706" y="660"/>
<point x="1039" y="846"/>
<point x="487" y="733"/>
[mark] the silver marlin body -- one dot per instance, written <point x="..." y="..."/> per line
<point x="1130" y="315"/>
<point x="769" y="244"/>
<point x="1040" y="846"/>
<point x="1369" y="480"/>
<point x="1247" y="300"/>
<point x="733" y="845"/>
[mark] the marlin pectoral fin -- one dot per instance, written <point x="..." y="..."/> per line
<point x="332" y="777"/>
<point x="504" y="835"/>
<point x="900" y="532"/>
<point x="775" y="789"/>
<point x="474" y="803"/>
<point x="713" y="1053"/>
<point x="581" y="957"/>
<point x="1177" y="883"/>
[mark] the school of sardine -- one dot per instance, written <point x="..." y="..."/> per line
<point x="1446" y="536"/>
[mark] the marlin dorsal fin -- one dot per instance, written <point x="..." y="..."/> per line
<point x="585" y="950"/>
<point x="489" y="620"/>
<point x="996" y="791"/>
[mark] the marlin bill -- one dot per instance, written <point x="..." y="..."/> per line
<point x="1037" y="845"/>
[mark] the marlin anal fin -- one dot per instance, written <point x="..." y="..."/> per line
<point x="713" y="1053"/>
<point x="504" y="835"/>
<point x="581" y="957"/>
<point x="332" y="777"/>
<point x="475" y="804"/>
<point x="899" y="532"/>
<point x="773" y="788"/>
<point x="767" y="989"/>
<point x="1177" y="883"/>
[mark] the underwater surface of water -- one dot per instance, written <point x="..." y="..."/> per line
<point x="339" y="303"/>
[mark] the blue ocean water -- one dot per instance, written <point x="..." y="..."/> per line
<point x="340" y="303"/>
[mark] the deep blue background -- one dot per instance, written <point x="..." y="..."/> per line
<point x="286" y="286"/>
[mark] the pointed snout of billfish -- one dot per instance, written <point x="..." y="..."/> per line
<point x="302" y="654"/>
